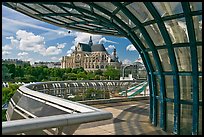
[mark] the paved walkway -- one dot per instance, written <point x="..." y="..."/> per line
<point x="129" y="118"/>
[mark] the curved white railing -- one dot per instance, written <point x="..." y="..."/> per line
<point x="24" y="113"/>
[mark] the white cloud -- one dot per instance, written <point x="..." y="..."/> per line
<point x="61" y="46"/>
<point x="104" y="40"/>
<point x="64" y="33"/>
<point x="54" y="58"/>
<point x="130" y="47"/>
<point x="14" y="42"/>
<point x="110" y="47"/>
<point x="6" y="47"/>
<point x="27" y="41"/>
<point x="70" y="51"/>
<point x="83" y="37"/>
<point x="22" y="54"/>
<point x="126" y="61"/>
<point x="52" y="50"/>
<point x="6" y="53"/>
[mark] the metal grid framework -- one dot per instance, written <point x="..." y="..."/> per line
<point x="168" y="36"/>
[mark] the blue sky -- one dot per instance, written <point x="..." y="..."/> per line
<point x="26" y="38"/>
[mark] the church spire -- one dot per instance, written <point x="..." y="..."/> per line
<point x="90" y="41"/>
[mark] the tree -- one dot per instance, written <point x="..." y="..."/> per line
<point x="12" y="70"/>
<point x="19" y="71"/>
<point x="98" y="72"/>
<point x="112" y="73"/>
<point x="72" y="76"/>
<point x="5" y="73"/>
<point x="68" y="70"/>
<point x="81" y="76"/>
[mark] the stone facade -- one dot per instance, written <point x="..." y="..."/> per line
<point x="90" y="57"/>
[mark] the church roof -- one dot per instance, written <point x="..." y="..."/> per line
<point x="85" y="47"/>
<point x="93" y="48"/>
<point x="97" y="47"/>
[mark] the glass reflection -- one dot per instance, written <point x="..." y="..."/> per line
<point x="164" y="57"/>
<point x="197" y="21"/>
<point x="140" y="11"/>
<point x="168" y="8"/>
<point x="155" y="34"/>
<point x="183" y="58"/>
<point x="177" y="30"/>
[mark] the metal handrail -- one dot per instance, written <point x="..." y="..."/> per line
<point x="23" y="125"/>
<point x="86" y="114"/>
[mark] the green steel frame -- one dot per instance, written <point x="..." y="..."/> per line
<point x="106" y="22"/>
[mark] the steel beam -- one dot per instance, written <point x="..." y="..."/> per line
<point x="194" y="60"/>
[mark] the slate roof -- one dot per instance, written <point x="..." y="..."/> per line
<point x="93" y="48"/>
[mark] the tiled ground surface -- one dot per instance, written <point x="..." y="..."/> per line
<point x="129" y="118"/>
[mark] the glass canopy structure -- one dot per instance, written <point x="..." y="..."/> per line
<point x="168" y="36"/>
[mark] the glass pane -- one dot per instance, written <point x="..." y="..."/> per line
<point x="183" y="58"/>
<point x="26" y="9"/>
<point x="186" y="119"/>
<point x="39" y="8"/>
<point x="177" y="30"/>
<point x="170" y="117"/>
<point x="85" y="26"/>
<point x="53" y="20"/>
<point x="38" y="108"/>
<point x="16" y="97"/>
<point x="71" y="10"/>
<point x="169" y="87"/>
<point x="55" y="8"/>
<point x="152" y="60"/>
<point x="82" y="5"/>
<point x="197" y="21"/>
<point x="168" y="8"/>
<point x="155" y="34"/>
<point x="200" y="121"/>
<point x="101" y="14"/>
<point x="140" y="11"/>
<point x="75" y="18"/>
<point x="141" y="37"/>
<point x="185" y="87"/>
<point x="63" y="19"/>
<point x="164" y="57"/>
<point x="195" y="6"/>
<point x="199" y="53"/>
<point x="125" y="19"/>
<point x="106" y="5"/>
<point x="200" y="88"/>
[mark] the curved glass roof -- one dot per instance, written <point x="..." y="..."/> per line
<point x="168" y="36"/>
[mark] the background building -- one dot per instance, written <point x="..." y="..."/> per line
<point x="48" y="64"/>
<point x="91" y="57"/>
<point x="15" y="61"/>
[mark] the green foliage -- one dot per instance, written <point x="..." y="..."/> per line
<point x="5" y="73"/>
<point x="27" y="73"/>
<point x="81" y="76"/>
<point x="98" y="72"/>
<point x="7" y="93"/>
<point x="112" y="73"/>
<point x="3" y="115"/>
